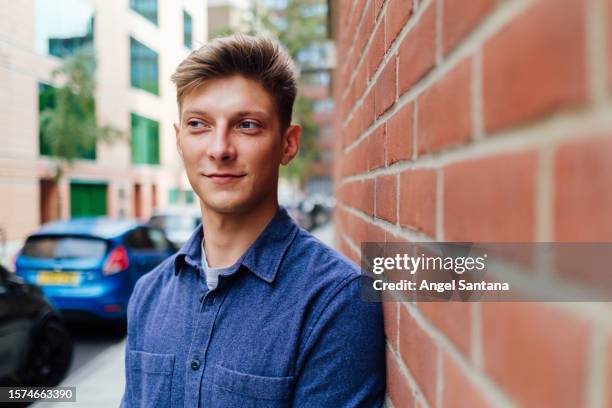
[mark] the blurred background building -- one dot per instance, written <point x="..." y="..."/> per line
<point x="303" y="28"/>
<point x="136" y="45"/>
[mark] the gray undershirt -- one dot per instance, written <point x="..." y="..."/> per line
<point x="212" y="274"/>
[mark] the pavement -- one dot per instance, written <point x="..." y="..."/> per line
<point x="101" y="382"/>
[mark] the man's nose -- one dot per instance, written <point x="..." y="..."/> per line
<point x="222" y="148"/>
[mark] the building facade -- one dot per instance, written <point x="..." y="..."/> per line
<point x="137" y="45"/>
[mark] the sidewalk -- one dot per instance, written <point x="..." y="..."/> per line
<point x="101" y="382"/>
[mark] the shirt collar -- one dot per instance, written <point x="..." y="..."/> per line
<point x="262" y="258"/>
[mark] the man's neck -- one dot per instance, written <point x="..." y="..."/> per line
<point x="228" y="236"/>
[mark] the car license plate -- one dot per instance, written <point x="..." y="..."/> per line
<point x="58" y="278"/>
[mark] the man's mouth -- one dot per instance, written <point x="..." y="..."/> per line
<point x="224" y="178"/>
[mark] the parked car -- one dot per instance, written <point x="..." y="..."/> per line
<point x="177" y="222"/>
<point x="35" y="347"/>
<point x="315" y="210"/>
<point x="88" y="266"/>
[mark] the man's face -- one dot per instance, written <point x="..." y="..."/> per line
<point x="231" y="145"/>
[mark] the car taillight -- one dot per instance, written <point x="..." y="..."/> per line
<point x="117" y="261"/>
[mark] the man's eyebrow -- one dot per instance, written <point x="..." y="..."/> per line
<point x="195" y="112"/>
<point x="240" y="114"/>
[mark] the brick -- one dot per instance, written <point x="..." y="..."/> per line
<point x="376" y="143"/>
<point x="379" y="4"/>
<point x="364" y="31"/>
<point x="385" y="86"/>
<point x="390" y="312"/>
<point x="529" y="354"/>
<point x="361" y="80"/>
<point x="369" y="111"/>
<point x="460" y="18"/>
<point x="376" y="51"/>
<point x="535" y="65"/>
<point x="374" y="233"/>
<point x="419" y="353"/>
<point x="458" y="391"/>
<point x="444" y="111"/>
<point x="417" y="52"/>
<point x="418" y="200"/>
<point x="583" y="191"/>
<point x="360" y="6"/>
<point x="490" y="199"/>
<point x="398" y="13"/>
<point x="400" y="134"/>
<point x="397" y="385"/>
<point x="358" y="230"/>
<point x="386" y="198"/>
<point x="364" y="196"/>
<point x="454" y="319"/>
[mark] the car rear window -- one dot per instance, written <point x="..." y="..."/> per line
<point x="64" y="247"/>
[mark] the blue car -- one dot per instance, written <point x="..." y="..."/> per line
<point x="88" y="266"/>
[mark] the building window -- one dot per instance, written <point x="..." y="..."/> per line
<point x="47" y="101"/>
<point x="144" y="67"/>
<point x="145" y="140"/>
<point x="187" y="30"/>
<point x="63" y="27"/>
<point x="173" y="196"/>
<point x="146" y="8"/>
<point x="178" y="195"/>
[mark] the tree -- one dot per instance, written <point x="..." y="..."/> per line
<point x="69" y="128"/>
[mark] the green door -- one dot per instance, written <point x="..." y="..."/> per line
<point x="87" y="198"/>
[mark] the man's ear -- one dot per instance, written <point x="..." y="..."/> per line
<point x="291" y="143"/>
<point x="177" y="132"/>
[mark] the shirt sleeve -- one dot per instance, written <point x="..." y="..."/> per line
<point x="343" y="364"/>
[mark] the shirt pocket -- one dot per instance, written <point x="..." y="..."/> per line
<point x="235" y="389"/>
<point x="151" y="378"/>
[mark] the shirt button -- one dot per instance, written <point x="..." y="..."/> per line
<point x="195" y="364"/>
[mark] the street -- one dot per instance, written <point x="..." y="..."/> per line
<point x="90" y="340"/>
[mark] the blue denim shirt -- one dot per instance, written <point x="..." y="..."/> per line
<point x="285" y="327"/>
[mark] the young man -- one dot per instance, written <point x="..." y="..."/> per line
<point x="252" y="311"/>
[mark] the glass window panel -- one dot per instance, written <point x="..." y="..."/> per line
<point x="145" y="140"/>
<point x="146" y="8"/>
<point x="144" y="67"/>
<point x="63" y="26"/>
<point x="187" y="30"/>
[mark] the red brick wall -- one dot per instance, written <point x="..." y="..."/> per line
<point x="480" y="120"/>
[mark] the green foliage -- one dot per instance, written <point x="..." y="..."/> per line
<point x="301" y="26"/>
<point x="68" y="124"/>
<point x="301" y="29"/>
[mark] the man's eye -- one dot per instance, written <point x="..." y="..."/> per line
<point x="196" y="124"/>
<point x="248" y="124"/>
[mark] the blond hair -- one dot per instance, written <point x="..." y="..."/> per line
<point x="257" y="58"/>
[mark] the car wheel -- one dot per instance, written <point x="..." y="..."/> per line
<point x="49" y="357"/>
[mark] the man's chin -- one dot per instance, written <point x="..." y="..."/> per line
<point x="227" y="206"/>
